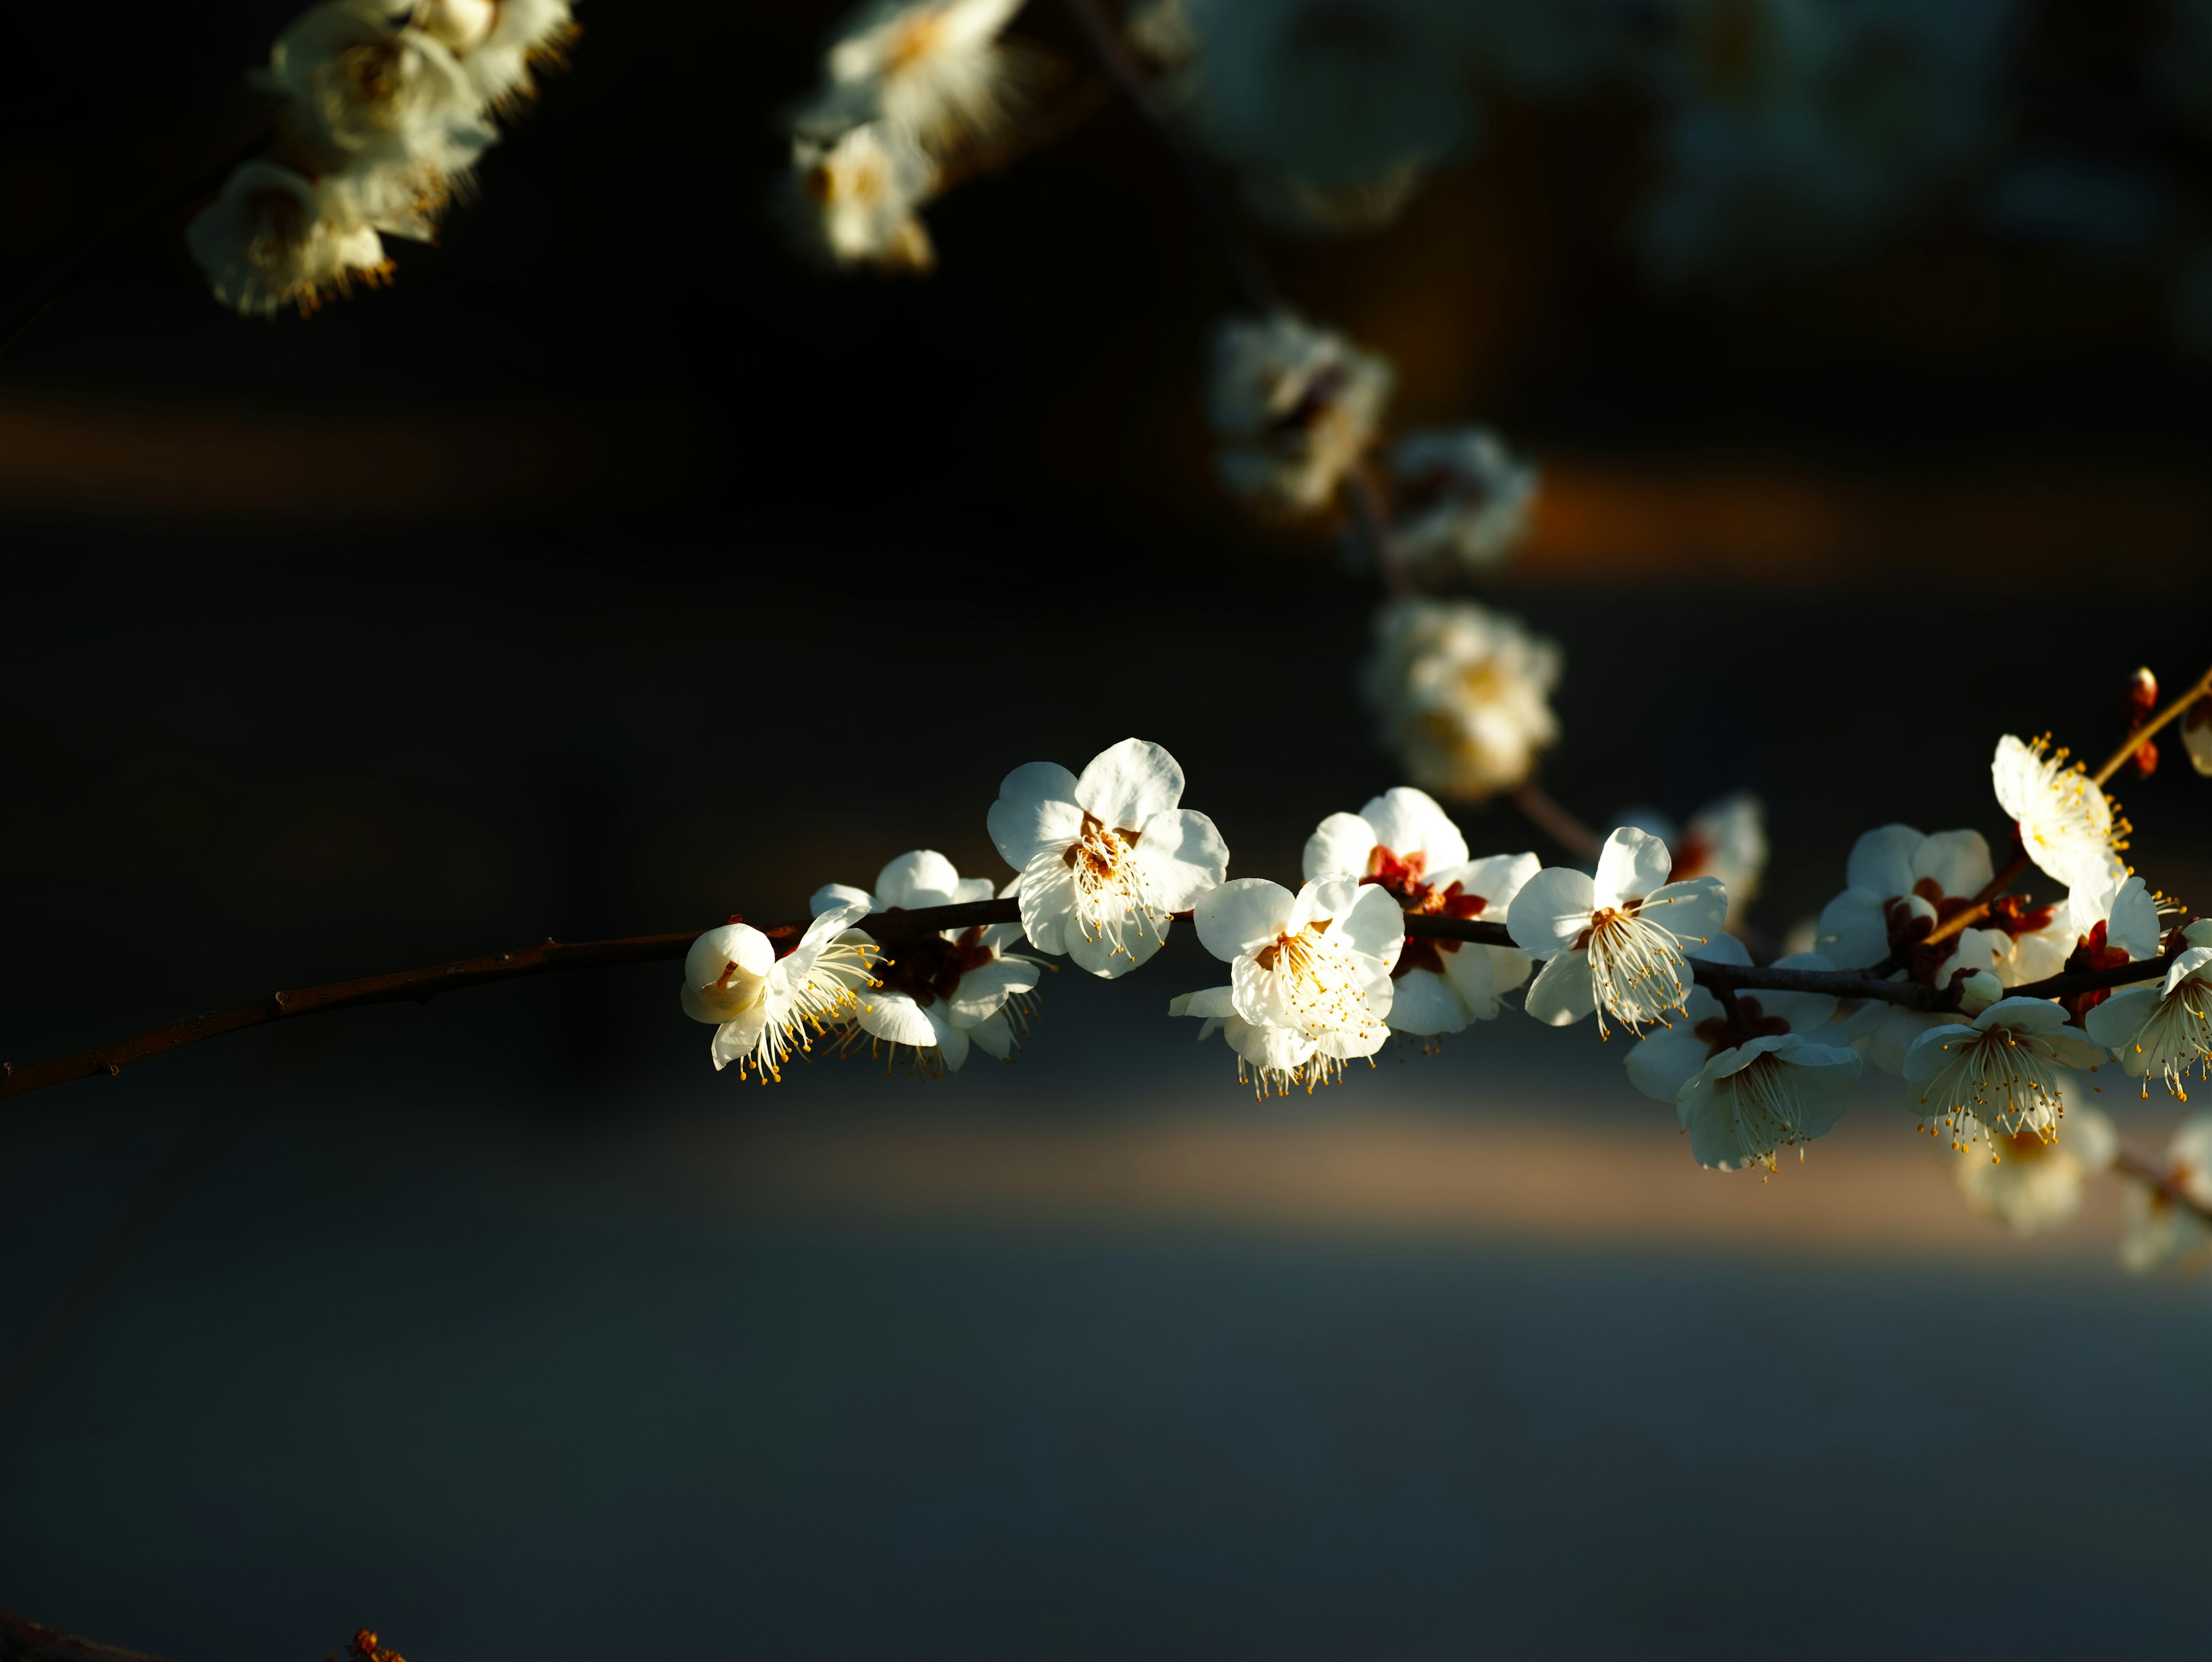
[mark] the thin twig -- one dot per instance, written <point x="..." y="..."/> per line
<point x="2136" y="740"/>
<point x="1113" y="57"/>
<point x="1985" y="898"/>
<point x="2160" y="1181"/>
<point x="57" y="287"/>
<point x="25" y="1640"/>
<point x="1555" y="822"/>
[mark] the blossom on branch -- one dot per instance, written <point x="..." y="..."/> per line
<point x="940" y="993"/>
<point x="1619" y="943"/>
<point x="499" y="42"/>
<point x="1405" y="844"/>
<point x="762" y="1006"/>
<point x="933" y="70"/>
<point x="2159" y="1229"/>
<point x="1270" y="1059"/>
<point x="269" y="241"/>
<point x="1461" y="502"/>
<point x="1295" y="406"/>
<point x="2030" y="1183"/>
<point x="1103" y="859"/>
<point x="850" y="200"/>
<point x="1315" y="964"/>
<point x="1765" y="1094"/>
<point x="1460" y="695"/>
<point x="1667" y="1058"/>
<point x="2166" y="1029"/>
<point x="2066" y="822"/>
<point x="2000" y="1075"/>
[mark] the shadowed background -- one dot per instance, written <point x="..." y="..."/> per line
<point x="609" y="575"/>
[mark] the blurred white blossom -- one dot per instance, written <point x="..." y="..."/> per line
<point x="1295" y="407"/>
<point x="940" y="993"/>
<point x="1619" y="942"/>
<point x="2196" y="734"/>
<point x="1461" y="695"/>
<point x="1461" y="502"/>
<point x="2031" y="1183"/>
<point x="933" y="70"/>
<point x="2158" y="1230"/>
<point x="1104" y="859"/>
<point x="851" y="199"/>
<point x="499" y="42"/>
<point x="268" y="242"/>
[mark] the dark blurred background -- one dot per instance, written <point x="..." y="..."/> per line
<point x="612" y="573"/>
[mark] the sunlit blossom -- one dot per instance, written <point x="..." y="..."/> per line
<point x="2031" y="1183"/>
<point x="1272" y="1060"/>
<point x="1104" y="859"/>
<point x="2164" y="1030"/>
<point x="1461" y="501"/>
<point x="1315" y="964"/>
<point x="763" y="1006"/>
<point x="501" y="42"/>
<point x="268" y="242"/>
<point x="1617" y="944"/>
<point x="1294" y="405"/>
<point x="2002" y="1074"/>
<point x="367" y="94"/>
<point x="1461" y="695"/>
<point x="1725" y="839"/>
<point x="2066" y="822"/>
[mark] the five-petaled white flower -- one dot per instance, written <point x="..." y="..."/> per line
<point x="1270" y="1059"/>
<point x="1460" y="695"/>
<point x="1668" y="1057"/>
<point x="2066" y="823"/>
<point x="2030" y="1183"/>
<point x="2164" y="1029"/>
<point x="1461" y="500"/>
<point x="852" y="197"/>
<point x="1403" y="842"/>
<point x="1765" y="1094"/>
<point x="2000" y="1075"/>
<point x="940" y="992"/>
<point x="934" y="70"/>
<point x="2159" y="1229"/>
<point x="1620" y="943"/>
<point x="1296" y="405"/>
<point x="270" y="241"/>
<point x="1102" y="861"/>
<point x="1315" y="964"/>
<point x="2113" y="921"/>
<point x="762" y="1006"/>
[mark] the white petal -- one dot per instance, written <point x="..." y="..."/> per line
<point x="1182" y="856"/>
<point x="2026" y="1016"/>
<point x="1340" y="842"/>
<point x="2013" y="771"/>
<point x="1959" y="861"/>
<point x="1663" y="1064"/>
<point x="922" y="878"/>
<point x="1408" y="821"/>
<point x="1036" y="810"/>
<point x="1563" y="992"/>
<point x="1424" y="1003"/>
<point x="2115" y="1021"/>
<point x="1498" y="878"/>
<point x="1694" y="910"/>
<point x="986" y="987"/>
<point x="1266" y="1045"/>
<point x="1481" y="973"/>
<point x="1881" y="863"/>
<point x="1125" y="786"/>
<point x="1374" y="924"/>
<point x="951" y="1041"/>
<point x="2133" y="925"/>
<point x="831" y="896"/>
<point x="1241" y="916"/>
<point x="994" y="1036"/>
<point x="1936" y="1049"/>
<point x="1722" y="948"/>
<point x="1630" y="866"/>
<point x="2188" y="965"/>
<point x="736" y="1038"/>
<point x="896" y="1017"/>
<point x="1206" y="1002"/>
<point x="1047" y="900"/>
<point x="1551" y="910"/>
<point x="1854" y="931"/>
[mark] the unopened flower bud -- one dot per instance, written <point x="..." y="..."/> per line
<point x="2142" y="696"/>
<point x="725" y="972"/>
<point x="2146" y="758"/>
<point x="1978" y="992"/>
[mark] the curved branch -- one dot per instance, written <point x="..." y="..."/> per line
<point x="2136" y="740"/>
<point x="2160" y="1182"/>
<point x="25" y="1640"/>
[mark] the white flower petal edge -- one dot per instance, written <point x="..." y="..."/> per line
<point x="1104" y="858"/>
<point x="2066" y="823"/>
<point x="763" y="1006"/>
<point x="1749" y="1101"/>
<point x="2000" y="1075"/>
<point x="1315" y="964"/>
<point x="1272" y="1060"/>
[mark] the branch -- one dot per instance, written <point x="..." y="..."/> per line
<point x="24" y="1641"/>
<point x="1983" y="898"/>
<point x="2136" y="740"/>
<point x="2160" y="1182"/>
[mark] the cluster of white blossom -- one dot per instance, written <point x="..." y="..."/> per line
<point x="906" y="84"/>
<point x="385" y="106"/>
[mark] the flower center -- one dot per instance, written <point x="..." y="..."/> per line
<point x="1316" y="981"/>
<point x="929" y="967"/>
<point x="1764" y="1108"/>
<point x="1756" y="1024"/>
<point x="1909" y="931"/>
<point x="2001" y="1081"/>
<point x="1401" y="877"/>
<point x="1111" y="902"/>
<point x="1635" y="964"/>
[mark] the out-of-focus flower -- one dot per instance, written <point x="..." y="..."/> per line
<point x="1461" y="501"/>
<point x="1316" y="963"/>
<point x="2196" y="734"/>
<point x="1404" y="842"/>
<point x="2066" y="823"/>
<point x="1619" y="943"/>
<point x="1725" y="839"/>
<point x="933" y="69"/>
<point x="1104" y="859"/>
<point x="1668" y="1057"/>
<point x="2164" y="1029"/>
<point x="267" y="242"/>
<point x="1461" y="695"/>
<point x="2000" y="1075"/>
<point x="499" y="42"/>
<point x="368" y="96"/>
<point x="1900" y="885"/>
<point x="1765" y="1094"/>
<point x="2158" y="1228"/>
<point x="939" y="993"/>
<point x="1270" y="1059"/>
<point x="1796" y="130"/>
<point x="1295" y="407"/>
<point x="2031" y="1182"/>
<point x="851" y="199"/>
<point x="761" y="1005"/>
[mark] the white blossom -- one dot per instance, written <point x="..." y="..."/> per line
<point x="1461" y="500"/>
<point x="934" y="70"/>
<point x="2158" y="1229"/>
<point x="2196" y="734"/>
<point x="1315" y="964"/>
<point x="1667" y="1058"/>
<point x="1405" y="844"/>
<point x="762" y="1006"/>
<point x="1765" y="1094"/>
<point x="499" y="42"/>
<point x="851" y="199"/>
<point x="1461" y="695"/>
<point x="2066" y="823"/>
<point x="268" y="241"/>
<point x="942" y="992"/>
<point x="1295" y="405"/>
<point x="2031" y="1183"/>
<point x="1270" y="1059"/>
<point x="1104" y="859"/>
<point x="2164" y="1029"/>
<point x="2113" y="920"/>
<point x="1619" y="943"/>
<point x="2000" y="1075"/>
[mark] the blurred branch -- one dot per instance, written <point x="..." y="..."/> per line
<point x="2160" y="1182"/>
<point x="1555" y="822"/>
<point x="23" y="1640"/>
<point x="1120" y="66"/>
<point x="2135" y="741"/>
